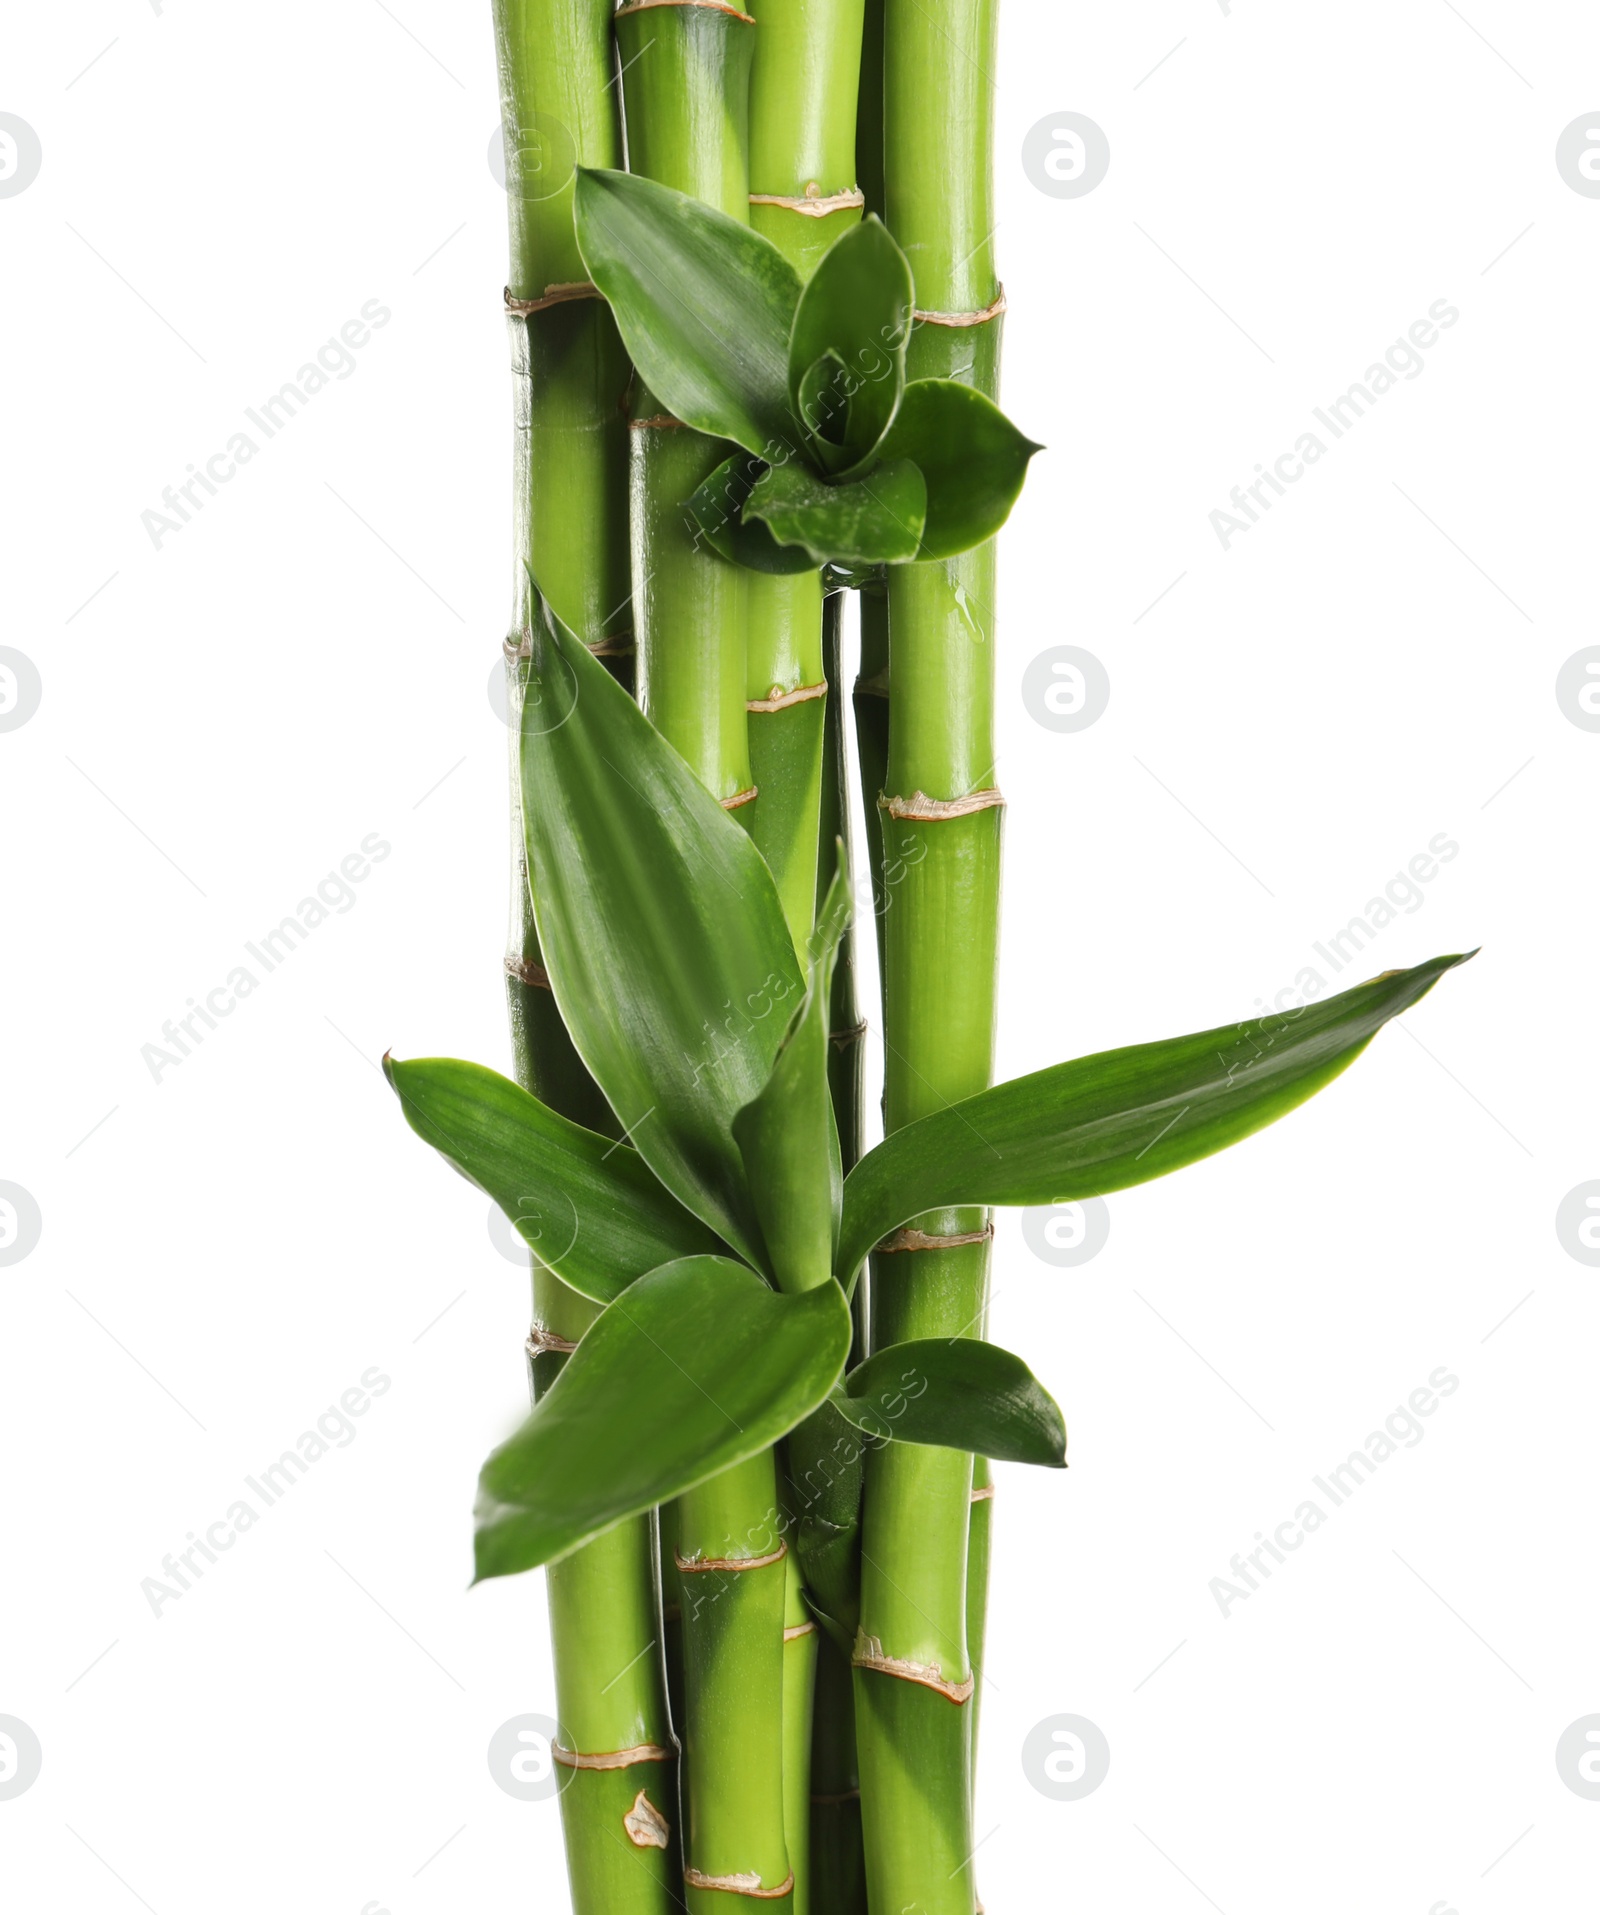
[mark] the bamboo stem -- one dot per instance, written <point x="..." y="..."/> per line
<point x="914" y="1667"/>
<point x="731" y="1577"/>
<point x="569" y="376"/>
<point x="685" y="86"/>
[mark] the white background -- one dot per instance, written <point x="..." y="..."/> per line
<point x="306" y="663"/>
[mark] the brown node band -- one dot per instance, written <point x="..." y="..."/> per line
<point x="646" y="1827"/>
<point x="712" y="6"/>
<point x="525" y="971"/>
<point x="617" y="645"/>
<point x="919" y="808"/>
<point x="657" y="420"/>
<point x="833" y="1801"/>
<point x="799" y="1629"/>
<point x="613" y="1758"/>
<point x="749" y="1883"/>
<point x="780" y="700"/>
<point x="746" y="797"/>
<point x="983" y="1492"/>
<point x="540" y="1339"/>
<point x="813" y="202"/>
<point x="853" y="1035"/>
<point x="964" y="319"/>
<point x="557" y="295"/>
<point x="877" y="686"/>
<point x="869" y="1655"/>
<point x="698" y="1563"/>
<point x="910" y="1239"/>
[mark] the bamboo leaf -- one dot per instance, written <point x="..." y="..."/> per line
<point x="857" y="307"/>
<point x="1119" y="1118"/>
<point x="718" y="509"/>
<point x="826" y="1468"/>
<point x="704" y="304"/>
<point x="589" y="1208"/>
<point x="958" y="1394"/>
<point x="787" y="1135"/>
<point x="972" y="458"/>
<point x="823" y="409"/>
<point x="659" y="925"/>
<point x="871" y="521"/>
<point x="695" y="1367"/>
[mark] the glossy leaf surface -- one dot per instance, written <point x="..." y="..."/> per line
<point x="857" y="306"/>
<point x="660" y="927"/>
<point x="694" y="1368"/>
<point x="957" y="1393"/>
<point x="1119" y="1118"/>
<point x="589" y="1208"/>
<point x="704" y="304"/>
<point x="787" y="1134"/>
<point x="718" y="509"/>
<point x="973" y="461"/>
<point x="871" y="521"/>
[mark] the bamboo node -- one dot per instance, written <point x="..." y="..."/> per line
<point x="908" y="1238"/>
<point x="869" y="1655"/>
<point x="877" y="686"/>
<point x="657" y="420"/>
<point x="749" y="1882"/>
<point x="527" y="972"/>
<point x="964" y="319"/>
<point x="613" y="1758"/>
<point x="746" y="797"/>
<point x="983" y="1492"/>
<point x="919" y="808"/>
<point x="618" y="645"/>
<point x="556" y="295"/>
<point x="853" y="1035"/>
<point x="777" y="699"/>
<point x="813" y="203"/>
<point x="799" y="1629"/>
<point x="540" y="1339"/>
<point x="715" y="6"/>
<point x="647" y="1827"/>
<point x="695" y="1564"/>
<point x="833" y="1801"/>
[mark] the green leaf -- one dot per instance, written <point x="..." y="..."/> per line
<point x="957" y="1394"/>
<point x="704" y="304"/>
<point x="718" y="509"/>
<point x="694" y="1368"/>
<point x="871" y="521"/>
<point x="856" y="306"/>
<point x="787" y="1135"/>
<point x="1106" y="1122"/>
<point x="590" y="1209"/>
<point x="823" y="409"/>
<point x="659" y="926"/>
<point x="972" y="459"/>
<point x="826" y="1462"/>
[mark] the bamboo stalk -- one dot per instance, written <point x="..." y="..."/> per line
<point x="915" y="1674"/>
<point x="685" y="89"/>
<point x="802" y="197"/>
<point x="569" y="374"/>
<point x="731" y="1573"/>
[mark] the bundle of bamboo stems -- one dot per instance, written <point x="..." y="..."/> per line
<point x="753" y="371"/>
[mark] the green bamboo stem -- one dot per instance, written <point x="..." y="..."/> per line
<point x="915" y="1673"/>
<point x="799" y="1698"/>
<point x="569" y="375"/>
<point x="685" y="74"/>
<point x="731" y="1573"/>
<point x="802" y="161"/>
<point x="838" y="1865"/>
